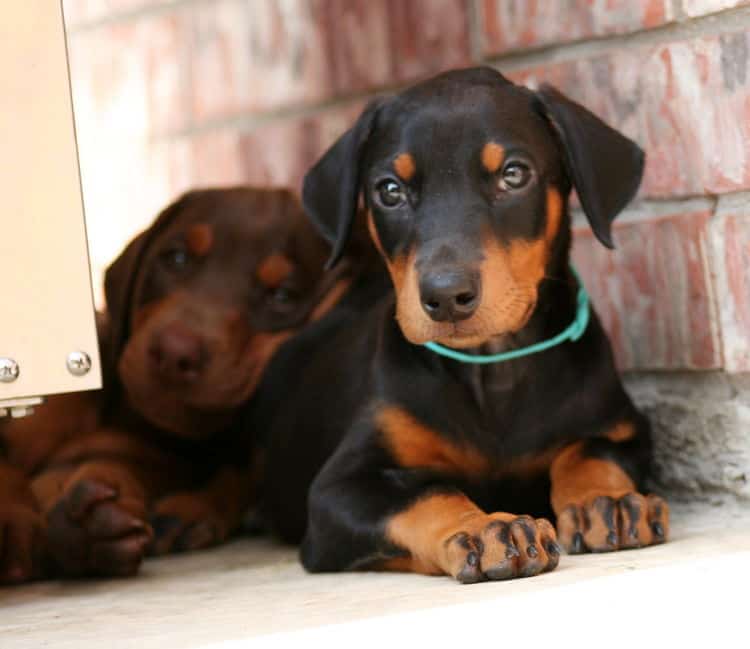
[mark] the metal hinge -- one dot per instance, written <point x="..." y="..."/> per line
<point x="19" y="407"/>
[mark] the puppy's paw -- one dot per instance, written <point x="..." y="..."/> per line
<point x="502" y="546"/>
<point x="22" y="544"/>
<point x="184" y="522"/>
<point x="94" y="530"/>
<point x="605" y="524"/>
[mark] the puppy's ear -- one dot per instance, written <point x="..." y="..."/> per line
<point x="330" y="192"/>
<point x="121" y="278"/>
<point x="604" y="166"/>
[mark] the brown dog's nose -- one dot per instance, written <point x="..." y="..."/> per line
<point x="450" y="295"/>
<point x="177" y="354"/>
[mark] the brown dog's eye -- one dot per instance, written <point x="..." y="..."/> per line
<point x="390" y="193"/>
<point x="176" y="259"/>
<point x="515" y="175"/>
<point x="281" y="297"/>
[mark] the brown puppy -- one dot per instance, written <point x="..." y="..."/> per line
<point x="197" y="305"/>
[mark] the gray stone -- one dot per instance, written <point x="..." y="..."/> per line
<point x="701" y="425"/>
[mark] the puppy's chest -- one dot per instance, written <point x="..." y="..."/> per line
<point x="494" y="443"/>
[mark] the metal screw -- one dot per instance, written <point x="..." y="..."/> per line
<point x="79" y="363"/>
<point x="9" y="370"/>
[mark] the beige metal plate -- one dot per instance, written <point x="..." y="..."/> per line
<point x="46" y="306"/>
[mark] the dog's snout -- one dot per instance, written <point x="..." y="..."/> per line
<point x="450" y="295"/>
<point x="178" y="354"/>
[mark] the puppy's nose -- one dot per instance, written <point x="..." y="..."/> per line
<point x="178" y="354"/>
<point x="450" y="295"/>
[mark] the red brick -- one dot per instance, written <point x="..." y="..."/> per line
<point x="702" y="7"/>
<point x="264" y="55"/>
<point x="130" y="77"/>
<point x="83" y="11"/>
<point x="216" y="159"/>
<point x="687" y="103"/>
<point x="378" y="43"/>
<point x="516" y="24"/>
<point x="256" y="56"/>
<point x="653" y="293"/>
<point x="428" y="36"/>
<point x="730" y="247"/>
<point x="359" y="53"/>
<point x="128" y="87"/>
<point x="278" y="153"/>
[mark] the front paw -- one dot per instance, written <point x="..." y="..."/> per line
<point x="185" y="522"/>
<point x="93" y="530"/>
<point x="22" y="544"/>
<point x="605" y="524"/>
<point x="502" y="546"/>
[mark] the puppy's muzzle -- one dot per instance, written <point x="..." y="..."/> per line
<point x="450" y="295"/>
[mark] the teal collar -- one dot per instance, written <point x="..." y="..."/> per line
<point x="572" y="333"/>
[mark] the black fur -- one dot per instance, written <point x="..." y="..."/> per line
<point x="328" y="475"/>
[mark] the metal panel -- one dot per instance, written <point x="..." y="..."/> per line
<point x="46" y="305"/>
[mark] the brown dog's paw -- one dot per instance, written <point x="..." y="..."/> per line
<point x="184" y="522"/>
<point x="502" y="546"/>
<point x="94" y="531"/>
<point x="604" y="524"/>
<point x="22" y="544"/>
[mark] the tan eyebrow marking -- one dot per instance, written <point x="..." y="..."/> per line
<point x="200" y="239"/>
<point x="274" y="269"/>
<point x="554" y="213"/>
<point x="492" y="156"/>
<point x="405" y="166"/>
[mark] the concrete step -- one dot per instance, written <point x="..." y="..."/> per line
<point x="254" y="593"/>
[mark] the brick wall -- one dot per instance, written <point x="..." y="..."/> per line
<point x="172" y="94"/>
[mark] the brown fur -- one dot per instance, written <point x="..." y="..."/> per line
<point x="332" y="298"/>
<point x="449" y="534"/>
<point x="414" y="445"/>
<point x="492" y="157"/>
<point x="107" y="475"/>
<point x="621" y="432"/>
<point x="404" y="166"/>
<point x="576" y="478"/>
<point x="597" y="505"/>
<point x="510" y="278"/>
<point x="274" y="270"/>
<point x="200" y="238"/>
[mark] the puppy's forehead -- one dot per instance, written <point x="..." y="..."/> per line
<point x="234" y="216"/>
<point x="459" y="119"/>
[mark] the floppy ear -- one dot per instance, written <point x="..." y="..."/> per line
<point x="331" y="188"/>
<point x="604" y="166"/>
<point x="121" y="278"/>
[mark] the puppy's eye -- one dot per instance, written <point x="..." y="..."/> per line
<point x="390" y="193"/>
<point x="515" y="175"/>
<point x="281" y="297"/>
<point x="176" y="259"/>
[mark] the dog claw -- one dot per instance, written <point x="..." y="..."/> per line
<point x="501" y="571"/>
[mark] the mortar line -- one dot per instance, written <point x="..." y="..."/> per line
<point x="738" y="19"/>
<point x="129" y="15"/>
<point x="476" y="35"/>
<point x="732" y="20"/>
<point x="245" y="122"/>
<point x="646" y="209"/>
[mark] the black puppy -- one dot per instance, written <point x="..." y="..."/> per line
<point x="465" y="180"/>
